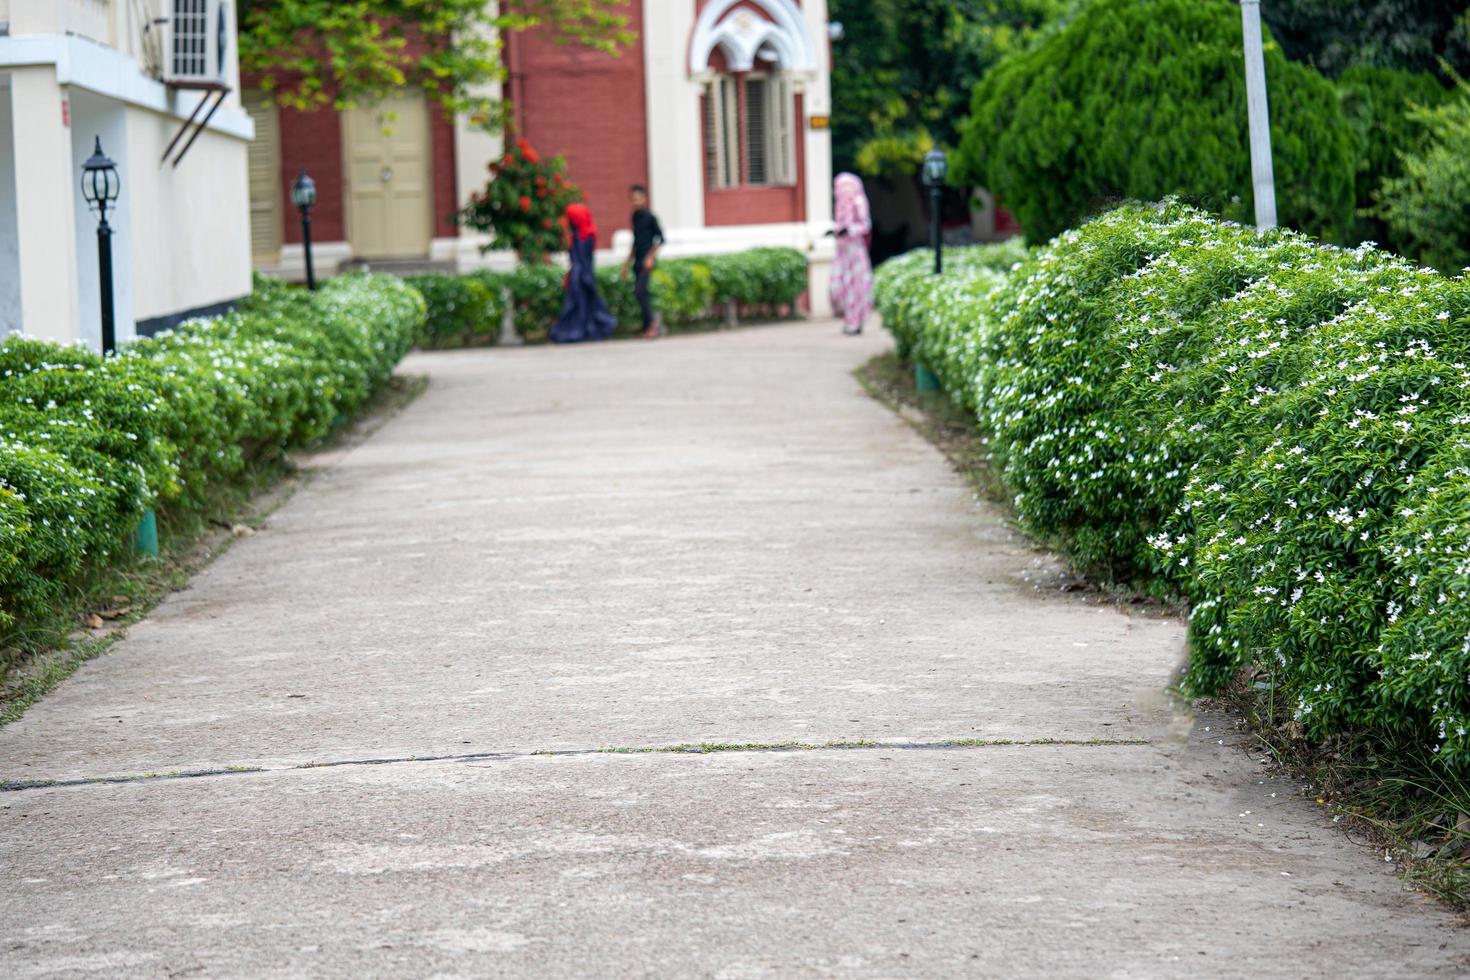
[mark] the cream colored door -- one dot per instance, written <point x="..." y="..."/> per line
<point x="389" y="210"/>
<point x="265" y="180"/>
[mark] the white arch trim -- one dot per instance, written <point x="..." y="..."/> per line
<point x="741" y="34"/>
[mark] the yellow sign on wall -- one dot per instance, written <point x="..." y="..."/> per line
<point x="820" y="122"/>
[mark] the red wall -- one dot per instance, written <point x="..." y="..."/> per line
<point x="588" y="107"/>
<point x="446" y="194"/>
<point x="312" y="141"/>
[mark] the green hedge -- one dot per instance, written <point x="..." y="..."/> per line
<point x="467" y="309"/>
<point x="87" y="444"/>
<point x="1276" y="428"/>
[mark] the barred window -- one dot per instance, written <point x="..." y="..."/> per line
<point x="721" y="133"/>
<point x="749" y="131"/>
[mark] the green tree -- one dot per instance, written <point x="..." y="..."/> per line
<point x="1379" y="104"/>
<point x="1334" y="35"/>
<point x="902" y="73"/>
<point x="1428" y="205"/>
<point x="1146" y="98"/>
<point x="314" y="53"/>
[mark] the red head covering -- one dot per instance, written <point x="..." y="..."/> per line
<point x="580" y="218"/>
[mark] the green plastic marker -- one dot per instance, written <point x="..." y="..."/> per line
<point x="925" y="379"/>
<point x="145" y="538"/>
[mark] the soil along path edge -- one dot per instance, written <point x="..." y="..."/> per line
<point x="717" y="544"/>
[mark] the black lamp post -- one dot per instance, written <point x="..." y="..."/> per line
<point x="303" y="195"/>
<point x="936" y="169"/>
<point x="100" y="188"/>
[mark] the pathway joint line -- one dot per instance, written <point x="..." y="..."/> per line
<point x="682" y="748"/>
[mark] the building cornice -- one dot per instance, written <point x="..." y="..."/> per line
<point x="108" y="72"/>
<point x="740" y="33"/>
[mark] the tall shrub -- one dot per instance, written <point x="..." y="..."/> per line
<point x="1146" y="98"/>
<point x="1380" y="105"/>
<point x="1428" y="205"/>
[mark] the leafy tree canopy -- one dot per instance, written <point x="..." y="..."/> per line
<point x="314" y="53"/>
<point x="1380" y="104"/>
<point x="1334" y="35"/>
<point x="1146" y="98"/>
<point x="1427" y="205"/>
<point x="902" y="72"/>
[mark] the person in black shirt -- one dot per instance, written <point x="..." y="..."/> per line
<point x="647" y="237"/>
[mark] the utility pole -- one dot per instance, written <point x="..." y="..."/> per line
<point x="1263" y="176"/>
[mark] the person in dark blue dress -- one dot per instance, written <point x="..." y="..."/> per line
<point x="584" y="315"/>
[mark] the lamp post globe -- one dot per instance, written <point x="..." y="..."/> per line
<point x="936" y="168"/>
<point x="100" y="185"/>
<point x="303" y="191"/>
<point x="933" y="174"/>
<point x="303" y="195"/>
<point x="100" y="189"/>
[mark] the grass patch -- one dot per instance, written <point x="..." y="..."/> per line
<point x="42" y="652"/>
<point x="1390" y="796"/>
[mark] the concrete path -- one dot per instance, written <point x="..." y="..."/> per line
<point x="635" y="546"/>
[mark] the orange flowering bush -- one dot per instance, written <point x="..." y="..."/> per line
<point x="522" y="205"/>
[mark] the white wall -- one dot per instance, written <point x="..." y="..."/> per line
<point x="190" y="225"/>
<point x="675" y="164"/>
<point x="182" y="234"/>
<point x="91" y="117"/>
<point x="46" y="198"/>
<point x="9" y="243"/>
<point x="818" y="102"/>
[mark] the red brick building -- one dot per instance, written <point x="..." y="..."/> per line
<point x="719" y="107"/>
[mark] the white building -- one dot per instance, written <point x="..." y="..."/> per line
<point x="130" y="73"/>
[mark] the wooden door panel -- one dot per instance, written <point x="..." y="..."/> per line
<point x="390" y="194"/>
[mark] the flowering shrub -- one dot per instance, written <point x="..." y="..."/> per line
<point x="916" y="306"/>
<point x="522" y="205"/>
<point x="759" y="281"/>
<point x="87" y="444"/>
<point x="1276" y="428"/>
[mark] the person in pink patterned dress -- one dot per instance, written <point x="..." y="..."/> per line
<point x="852" y="272"/>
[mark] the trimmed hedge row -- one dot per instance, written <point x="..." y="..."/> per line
<point x="87" y="444"/>
<point x="466" y="310"/>
<point x="1278" y="429"/>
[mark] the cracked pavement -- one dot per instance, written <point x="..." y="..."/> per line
<point x="367" y="740"/>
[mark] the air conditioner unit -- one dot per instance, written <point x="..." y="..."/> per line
<point x="197" y="44"/>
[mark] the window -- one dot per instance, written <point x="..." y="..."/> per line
<point x="749" y="131"/>
<point x="757" y="130"/>
<point x="721" y="133"/>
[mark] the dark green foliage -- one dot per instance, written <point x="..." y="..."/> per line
<point x="1145" y="98"/>
<point x="1379" y="103"/>
<point x="901" y="73"/>
<point x="87" y="444"/>
<point x="1335" y="35"/>
<point x="1427" y="206"/>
